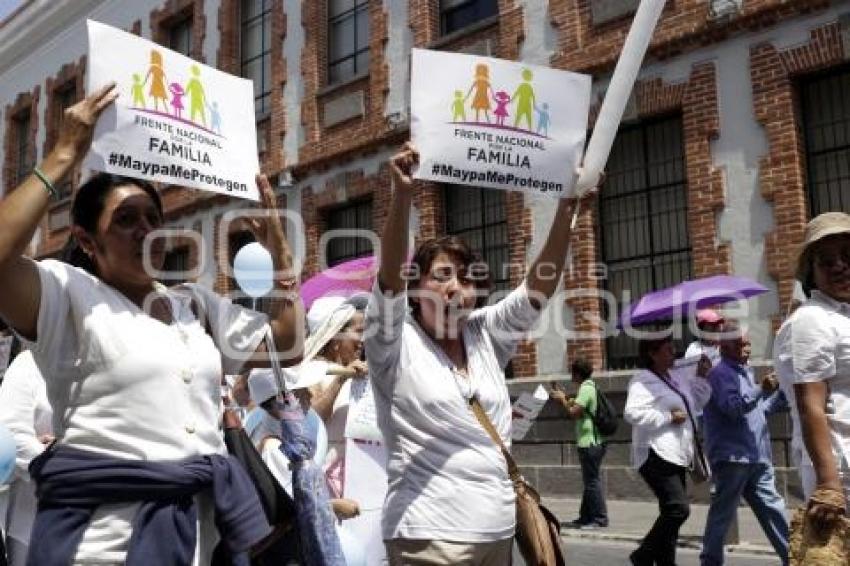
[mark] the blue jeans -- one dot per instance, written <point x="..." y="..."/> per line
<point x="593" y="508"/>
<point x="753" y="482"/>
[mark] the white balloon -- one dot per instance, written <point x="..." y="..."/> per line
<point x="253" y="269"/>
<point x="352" y="548"/>
<point x="7" y="454"/>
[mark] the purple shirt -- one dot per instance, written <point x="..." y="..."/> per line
<point x="735" y="418"/>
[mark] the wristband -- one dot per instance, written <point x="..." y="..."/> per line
<point x="51" y="190"/>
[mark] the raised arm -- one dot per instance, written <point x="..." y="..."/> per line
<point x="545" y="272"/>
<point x="287" y="318"/>
<point x="394" y="240"/>
<point x="22" y="210"/>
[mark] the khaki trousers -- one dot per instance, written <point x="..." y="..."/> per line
<point x="415" y="552"/>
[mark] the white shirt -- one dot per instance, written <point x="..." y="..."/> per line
<point x="126" y="385"/>
<point x="783" y="364"/>
<point x="447" y="480"/>
<point x="27" y="414"/>
<point x="697" y="348"/>
<point x="819" y="349"/>
<point x="649" y="404"/>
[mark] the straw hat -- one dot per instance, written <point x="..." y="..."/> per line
<point x="820" y="227"/>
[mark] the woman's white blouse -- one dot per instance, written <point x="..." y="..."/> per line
<point x="126" y="385"/>
<point x="819" y="349"/>
<point x="649" y="404"/>
<point x="27" y="414"/>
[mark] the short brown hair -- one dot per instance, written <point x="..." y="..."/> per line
<point x="457" y="249"/>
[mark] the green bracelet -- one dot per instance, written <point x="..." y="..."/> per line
<point x="47" y="184"/>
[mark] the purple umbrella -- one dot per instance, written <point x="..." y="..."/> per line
<point x="342" y="280"/>
<point x="684" y="298"/>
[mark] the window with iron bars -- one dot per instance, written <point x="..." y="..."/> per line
<point x="643" y="222"/>
<point x="826" y="123"/>
<point x="479" y="216"/>
<point x="458" y="14"/>
<point x="23" y="165"/>
<point x="348" y="39"/>
<point x="256" y="51"/>
<point x="176" y="261"/>
<point x="354" y="216"/>
<point x="63" y="99"/>
<point x="180" y="37"/>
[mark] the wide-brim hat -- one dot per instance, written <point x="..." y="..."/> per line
<point x="820" y="227"/>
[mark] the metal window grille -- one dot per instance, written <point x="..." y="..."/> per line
<point x="256" y="51"/>
<point x="348" y="39"/>
<point x="643" y="221"/>
<point x="22" y="146"/>
<point x="356" y="216"/>
<point x="479" y="216"/>
<point x="826" y="122"/>
<point x="176" y="261"/>
<point x="180" y="37"/>
<point x="458" y="14"/>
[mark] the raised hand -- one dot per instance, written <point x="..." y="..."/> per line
<point x="78" y="125"/>
<point x="403" y="163"/>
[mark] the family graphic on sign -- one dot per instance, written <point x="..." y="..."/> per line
<point x="159" y="92"/>
<point x="484" y="98"/>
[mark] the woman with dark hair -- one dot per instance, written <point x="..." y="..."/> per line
<point x="132" y="370"/>
<point x="660" y="406"/>
<point x="816" y="352"/>
<point x="450" y="499"/>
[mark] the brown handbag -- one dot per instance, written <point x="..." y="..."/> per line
<point x="538" y="531"/>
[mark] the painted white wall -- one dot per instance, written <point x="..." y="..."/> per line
<point x="293" y="90"/>
<point x="397" y="56"/>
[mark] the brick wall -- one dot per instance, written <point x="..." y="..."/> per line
<point x="696" y="101"/>
<point x="782" y="172"/>
<point x="174" y="12"/>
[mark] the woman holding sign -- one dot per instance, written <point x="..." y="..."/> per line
<point x="132" y="371"/>
<point x="450" y="500"/>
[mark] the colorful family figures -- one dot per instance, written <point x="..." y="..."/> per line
<point x="215" y="118"/>
<point x="543" y="119"/>
<point x="458" y="107"/>
<point x="524" y="99"/>
<point x="138" y="91"/>
<point x="157" y="75"/>
<point x="193" y="88"/>
<point x="177" y="93"/>
<point x="197" y="97"/>
<point x="483" y="92"/>
<point x="502" y="99"/>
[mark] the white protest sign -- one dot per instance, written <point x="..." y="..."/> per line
<point x="525" y="411"/>
<point x="362" y="421"/>
<point x="495" y="123"/>
<point x="175" y="121"/>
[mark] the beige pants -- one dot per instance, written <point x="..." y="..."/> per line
<point x="414" y="552"/>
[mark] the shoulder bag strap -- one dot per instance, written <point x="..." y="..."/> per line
<point x="482" y="417"/>
<point x="697" y="443"/>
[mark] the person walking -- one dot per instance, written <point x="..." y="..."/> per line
<point x="590" y="444"/>
<point x="660" y="406"/>
<point x="819" y="356"/>
<point x="133" y="371"/>
<point x="450" y="499"/>
<point x="737" y="442"/>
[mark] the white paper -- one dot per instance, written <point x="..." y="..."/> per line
<point x="525" y="410"/>
<point x="362" y="422"/>
<point x="619" y="91"/>
<point x="496" y="123"/>
<point x="366" y="483"/>
<point x="175" y="121"/>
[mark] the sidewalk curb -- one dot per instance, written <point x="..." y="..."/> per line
<point x="693" y="543"/>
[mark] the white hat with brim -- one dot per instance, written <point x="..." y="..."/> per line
<point x="820" y="227"/>
<point x="262" y="385"/>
